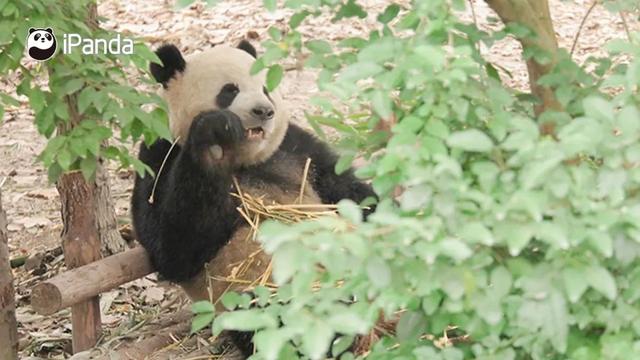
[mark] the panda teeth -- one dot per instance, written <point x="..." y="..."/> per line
<point x="254" y="133"/>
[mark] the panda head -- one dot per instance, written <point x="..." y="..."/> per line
<point x="219" y="78"/>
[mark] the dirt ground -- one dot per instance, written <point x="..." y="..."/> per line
<point x="32" y="204"/>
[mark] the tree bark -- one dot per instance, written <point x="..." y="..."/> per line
<point x="536" y="16"/>
<point x="8" y="325"/>
<point x="106" y="220"/>
<point x="81" y="245"/>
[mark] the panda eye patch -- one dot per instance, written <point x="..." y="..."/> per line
<point x="36" y="37"/>
<point x="226" y="95"/>
<point x="231" y="88"/>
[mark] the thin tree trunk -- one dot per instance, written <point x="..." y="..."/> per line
<point x="535" y="15"/>
<point x="8" y="325"/>
<point x="106" y="221"/>
<point x="80" y="238"/>
<point x="81" y="245"/>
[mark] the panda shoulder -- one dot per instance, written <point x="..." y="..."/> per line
<point x="298" y="140"/>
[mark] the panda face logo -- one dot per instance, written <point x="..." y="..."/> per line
<point x="41" y="44"/>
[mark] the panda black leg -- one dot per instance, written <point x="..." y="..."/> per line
<point x="243" y="340"/>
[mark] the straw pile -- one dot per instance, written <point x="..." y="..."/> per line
<point x="254" y="210"/>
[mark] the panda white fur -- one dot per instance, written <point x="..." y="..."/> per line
<point x="227" y="125"/>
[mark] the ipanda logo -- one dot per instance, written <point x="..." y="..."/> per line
<point x="41" y="44"/>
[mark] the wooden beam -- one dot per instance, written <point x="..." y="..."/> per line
<point x="87" y="281"/>
<point x="8" y="325"/>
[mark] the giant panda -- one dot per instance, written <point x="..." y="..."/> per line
<point x="226" y="124"/>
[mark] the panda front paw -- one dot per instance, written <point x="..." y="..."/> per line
<point x="213" y="134"/>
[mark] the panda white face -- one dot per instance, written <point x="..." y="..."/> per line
<point x="219" y="78"/>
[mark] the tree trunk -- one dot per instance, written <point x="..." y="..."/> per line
<point x="536" y="16"/>
<point x="80" y="238"/>
<point x="106" y="220"/>
<point x="81" y="245"/>
<point x="8" y="325"/>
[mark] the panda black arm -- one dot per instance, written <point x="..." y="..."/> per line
<point x="330" y="186"/>
<point x="192" y="215"/>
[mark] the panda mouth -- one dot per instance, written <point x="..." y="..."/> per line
<point x="256" y="133"/>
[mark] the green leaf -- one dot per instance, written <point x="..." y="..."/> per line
<point x="389" y="13"/>
<point x="350" y="9"/>
<point x="88" y="167"/>
<point x="274" y="76"/>
<point x="472" y="140"/>
<point x="269" y="343"/>
<point x="316" y="339"/>
<point x="350" y="210"/>
<point x="476" y="232"/>
<point x="575" y="283"/>
<point x="202" y="306"/>
<point x="37" y="100"/>
<point x="285" y="262"/>
<point x="455" y="249"/>
<point x="598" y="108"/>
<point x="556" y="325"/>
<point x="602" y="281"/>
<point x="71" y="86"/>
<point x="270" y="5"/>
<point x="201" y="321"/>
<point x="381" y="104"/>
<point x="85" y="98"/>
<point x="245" y="320"/>
<point x="297" y="18"/>
<point x="358" y="71"/>
<point x="65" y="159"/>
<point x="411" y="325"/>
<point x="492" y="71"/>
<point x="501" y="281"/>
<point x="318" y="46"/>
<point x="344" y="163"/>
<point x="379" y="272"/>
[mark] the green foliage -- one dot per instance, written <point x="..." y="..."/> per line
<point x="526" y="241"/>
<point x="79" y="100"/>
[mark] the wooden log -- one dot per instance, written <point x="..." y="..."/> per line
<point x="8" y="325"/>
<point x="81" y="245"/>
<point x="89" y="280"/>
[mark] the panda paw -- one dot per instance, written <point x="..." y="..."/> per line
<point x="213" y="134"/>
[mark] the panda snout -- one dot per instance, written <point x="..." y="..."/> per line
<point x="263" y="113"/>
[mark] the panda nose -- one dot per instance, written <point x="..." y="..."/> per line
<point x="263" y="113"/>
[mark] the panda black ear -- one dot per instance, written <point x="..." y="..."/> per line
<point x="172" y="63"/>
<point x="246" y="46"/>
<point x="49" y="30"/>
<point x="31" y="30"/>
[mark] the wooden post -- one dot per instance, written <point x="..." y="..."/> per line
<point x="8" y="325"/>
<point x="84" y="282"/>
<point x="81" y="245"/>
